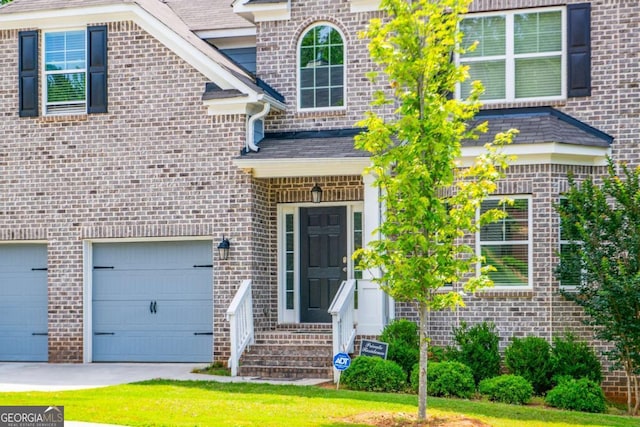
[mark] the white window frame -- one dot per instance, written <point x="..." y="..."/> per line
<point x="287" y="316"/>
<point x="46" y="73"/>
<point x="528" y="242"/>
<point x="510" y="57"/>
<point x="299" y="69"/>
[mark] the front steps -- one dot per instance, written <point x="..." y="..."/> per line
<point x="290" y="352"/>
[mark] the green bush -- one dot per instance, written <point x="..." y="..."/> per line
<point x="446" y="379"/>
<point x="368" y="373"/>
<point x="577" y="395"/>
<point x="404" y="343"/>
<point x="507" y="389"/>
<point x="530" y="358"/>
<point x="478" y="349"/>
<point x="574" y="359"/>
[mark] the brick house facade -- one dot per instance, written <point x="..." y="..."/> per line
<point x="173" y="159"/>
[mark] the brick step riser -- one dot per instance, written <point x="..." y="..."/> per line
<point x="285" y="372"/>
<point x="289" y="351"/>
<point x="320" y="362"/>
<point x="293" y="341"/>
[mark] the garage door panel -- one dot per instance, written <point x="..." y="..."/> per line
<point x="153" y="302"/>
<point x="120" y="316"/>
<point x="23" y="303"/>
<point x="140" y="285"/>
<point x="153" y="347"/>
<point x="153" y="255"/>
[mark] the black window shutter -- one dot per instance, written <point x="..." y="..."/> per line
<point x="28" y="73"/>
<point x="579" y="49"/>
<point x="97" y="64"/>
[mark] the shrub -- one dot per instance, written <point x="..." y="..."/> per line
<point x="446" y="379"/>
<point x="479" y="349"/>
<point x="530" y="358"/>
<point x="374" y="374"/>
<point x="574" y="359"/>
<point x="404" y="345"/>
<point x="577" y="395"/>
<point x="507" y="389"/>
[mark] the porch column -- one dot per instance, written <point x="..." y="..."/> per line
<point x="373" y="303"/>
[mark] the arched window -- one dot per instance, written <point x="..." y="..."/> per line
<point x="321" y="68"/>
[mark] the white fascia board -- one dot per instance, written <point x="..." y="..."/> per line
<point x="264" y="12"/>
<point x="60" y="18"/>
<point x="239" y="105"/>
<point x="282" y="168"/>
<point x="227" y="33"/>
<point x="545" y="153"/>
<point x="364" y="5"/>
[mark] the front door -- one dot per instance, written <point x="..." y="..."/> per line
<point x="323" y="260"/>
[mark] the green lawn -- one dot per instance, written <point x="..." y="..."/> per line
<point x="203" y="403"/>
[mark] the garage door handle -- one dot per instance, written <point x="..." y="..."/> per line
<point x="151" y="307"/>
<point x="104" y="333"/>
<point x="40" y="333"/>
<point x="203" y="333"/>
<point x="102" y="267"/>
<point x="203" y="266"/>
<point x="155" y="306"/>
<point x="39" y="269"/>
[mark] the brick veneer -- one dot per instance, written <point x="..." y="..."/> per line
<point x="155" y="166"/>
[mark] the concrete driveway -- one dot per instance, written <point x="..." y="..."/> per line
<point x="54" y="377"/>
<point x="75" y="376"/>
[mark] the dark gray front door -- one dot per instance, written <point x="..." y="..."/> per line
<point x="323" y="266"/>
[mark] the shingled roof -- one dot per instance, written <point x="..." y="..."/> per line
<point x="536" y="125"/>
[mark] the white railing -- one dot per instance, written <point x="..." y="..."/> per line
<point x="343" y="314"/>
<point x="240" y="315"/>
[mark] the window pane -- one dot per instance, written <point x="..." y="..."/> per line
<point x="570" y="256"/>
<point x="289" y="223"/>
<point x="66" y="87"/>
<point x="290" y="301"/>
<point x="510" y="262"/>
<point x="322" y="76"/>
<point x="537" y="32"/>
<point x="337" y="96"/>
<point x="488" y="31"/>
<point x="322" y="97"/>
<point x="321" y="68"/>
<point x="307" y="98"/>
<point x="492" y="76"/>
<point x="538" y="77"/>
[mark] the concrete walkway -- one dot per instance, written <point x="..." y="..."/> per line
<point x="20" y="377"/>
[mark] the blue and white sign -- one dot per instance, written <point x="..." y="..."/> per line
<point x="341" y="361"/>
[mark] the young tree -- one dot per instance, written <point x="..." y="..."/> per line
<point x="602" y="224"/>
<point x="430" y="202"/>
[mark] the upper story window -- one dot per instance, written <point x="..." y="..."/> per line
<point x="65" y="72"/>
<point x="321" y="68"/>
<point x="521" y="55"/>
<point x="506" y="244"/>
<point x="66" y="75"/>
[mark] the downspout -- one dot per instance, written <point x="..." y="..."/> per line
<point x="250" y="144"/>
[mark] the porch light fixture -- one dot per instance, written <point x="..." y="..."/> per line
<point x="223" y="248"/>
<point x="316" y="194"/>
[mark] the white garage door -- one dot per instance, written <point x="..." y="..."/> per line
<point x="153" y="302"/>
<point x="23" y="303"/>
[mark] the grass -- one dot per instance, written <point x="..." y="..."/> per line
<point x="216" y="368"/>
<point x="205" y="403"/>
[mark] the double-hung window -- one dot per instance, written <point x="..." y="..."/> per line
<point x="321" y="71"/>
<point x="569" y="253"/>
<point x="520" y="54"/>
<point x="62" y="72"/>
<point x="506" y="244"/>
<point x="65" y="72"/>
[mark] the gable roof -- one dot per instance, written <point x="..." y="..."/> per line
<point x="155" y="16"/>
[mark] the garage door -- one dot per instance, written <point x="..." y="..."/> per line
<point x="23" y="303"/>
<point x="153" y="302"/>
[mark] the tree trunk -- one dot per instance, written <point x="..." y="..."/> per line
<point x="637" y="396"/>
<point x="424" y="348"/>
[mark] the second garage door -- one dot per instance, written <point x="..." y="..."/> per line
<point x="153" y="302"/>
